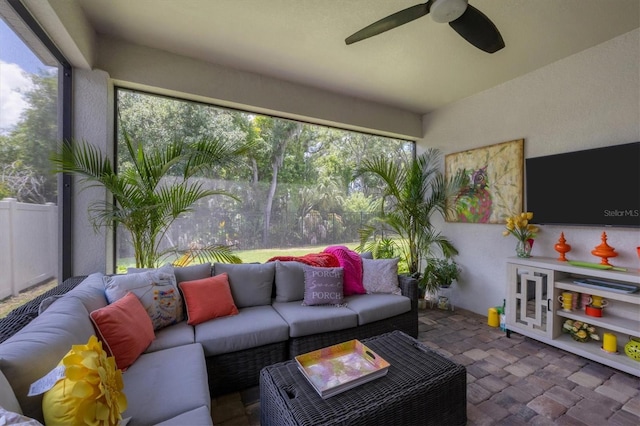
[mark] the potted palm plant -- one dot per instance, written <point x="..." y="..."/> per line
<point x="157" y="186"/>
<point x="412" y="193"/>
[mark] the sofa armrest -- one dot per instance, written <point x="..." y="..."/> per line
<point x="24" y="314"/>
<point x="409" y="287"/>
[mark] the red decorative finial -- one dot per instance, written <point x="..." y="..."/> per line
<point x="604" y="250"/>
<point x="562" y="248"/>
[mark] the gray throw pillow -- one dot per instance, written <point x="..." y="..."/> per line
<point x="289" y="281"/>
<point x="380" y="276"/>
<point x="192" y="272"/>
<point x="323" y="286"/>
<point x="251" y="284"/>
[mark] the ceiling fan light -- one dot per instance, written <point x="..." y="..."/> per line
<point x="447" y="10"/>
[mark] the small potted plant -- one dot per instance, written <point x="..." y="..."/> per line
<point x="440" y="273"/>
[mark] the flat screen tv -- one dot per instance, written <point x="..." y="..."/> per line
<point x="599" y="187"/>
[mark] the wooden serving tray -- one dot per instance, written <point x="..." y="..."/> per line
<point x="340" y="367"/>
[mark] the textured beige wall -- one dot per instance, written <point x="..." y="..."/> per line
<point x="93" y="122"/>
<point x="162" y="72"/>
<point x="587" y="100"/>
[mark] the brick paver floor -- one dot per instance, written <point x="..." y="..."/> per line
<point x="510" y="381"/>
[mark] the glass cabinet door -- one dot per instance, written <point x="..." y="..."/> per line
<point x="528" y="305"/>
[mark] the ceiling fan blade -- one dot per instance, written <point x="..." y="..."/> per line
<point x="390" y="22"/>
<point x="478" y="30"/>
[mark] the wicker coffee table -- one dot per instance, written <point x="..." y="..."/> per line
<point x="421" y="387"/>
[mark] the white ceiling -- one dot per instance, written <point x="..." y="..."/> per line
<point x="418" y="67"/>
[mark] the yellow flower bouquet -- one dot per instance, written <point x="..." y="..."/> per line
<point x="519" y="227"/>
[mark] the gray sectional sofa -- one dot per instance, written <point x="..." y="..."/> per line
<point x="184" y="366"/>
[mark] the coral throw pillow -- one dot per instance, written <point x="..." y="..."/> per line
<point x="323" y="286"/>
<point x="91" y="391"/>
<point x="125" y="328"/>
<point x="351" y="262"/>
<point x="208" y="298"/>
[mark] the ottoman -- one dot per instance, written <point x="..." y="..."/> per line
<point x="420" y="387"/>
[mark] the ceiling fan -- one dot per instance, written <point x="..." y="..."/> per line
<point x="465" y="19"/>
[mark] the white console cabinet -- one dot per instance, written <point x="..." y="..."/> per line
<point x="533" y="309"/>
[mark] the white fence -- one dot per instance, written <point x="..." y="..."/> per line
<point x="28" y="245"/>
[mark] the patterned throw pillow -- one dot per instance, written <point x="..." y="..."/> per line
<point x="323" y="286"/>
<point x="157" y="291"/>
<point x="380" y="276"/>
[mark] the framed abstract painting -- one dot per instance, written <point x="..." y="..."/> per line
<point x="496" y="182"/>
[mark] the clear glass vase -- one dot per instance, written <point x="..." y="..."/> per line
<point x="523" y="248"/>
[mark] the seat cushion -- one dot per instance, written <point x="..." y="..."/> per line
<point x="307" y="320"/>
<point x="8" y="399"/>
<point x="374" y="307"/>
<point x="201" y="416"/>
<point x="252" y="327"/>
<point x="175" y="335"/>
<point x="165" y="384"/>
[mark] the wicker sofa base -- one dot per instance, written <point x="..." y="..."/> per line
<point x="239" y="370"/>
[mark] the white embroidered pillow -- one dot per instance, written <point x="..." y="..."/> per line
<point x="380" y="276"/>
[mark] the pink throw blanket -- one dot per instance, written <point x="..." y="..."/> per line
<point x="351" y="263"/>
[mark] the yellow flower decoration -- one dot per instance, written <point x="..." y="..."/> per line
<point x="91" y="392"/>
<point x="519" y="226"/>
